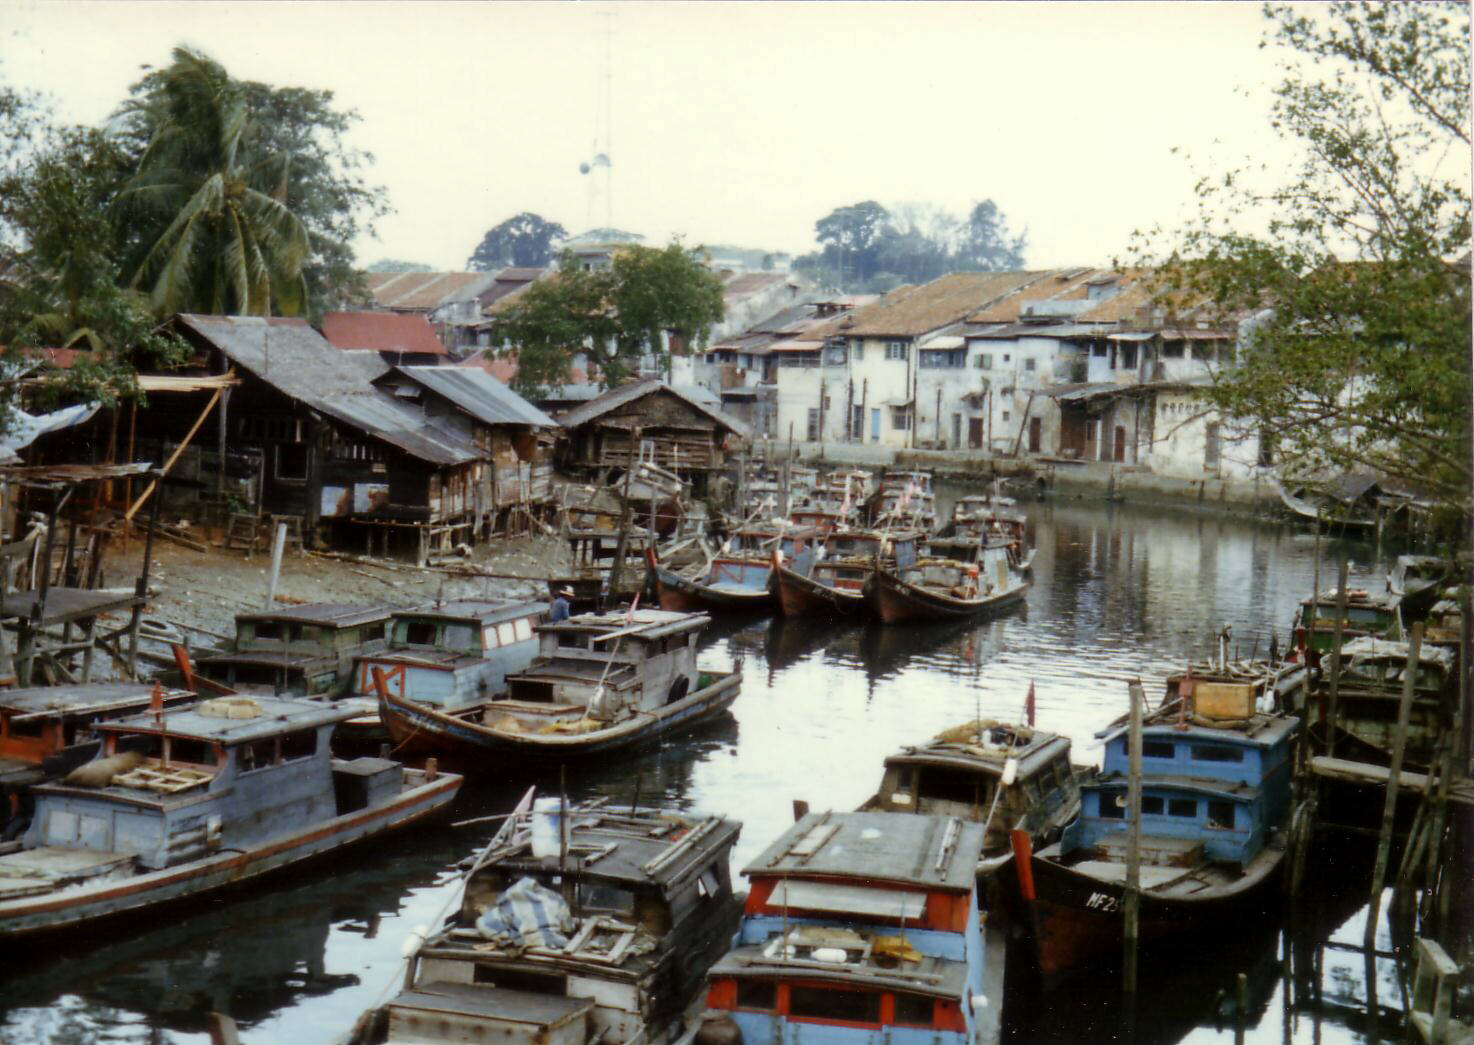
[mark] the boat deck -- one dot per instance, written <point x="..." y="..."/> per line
<point x="46" y="868"/>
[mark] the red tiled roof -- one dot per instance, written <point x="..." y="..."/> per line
<point x="382" y="332"/>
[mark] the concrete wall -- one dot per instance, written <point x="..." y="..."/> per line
<point x="1181" y="425"/>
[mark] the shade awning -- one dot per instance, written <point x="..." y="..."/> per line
<point x="1132" y="335"/>
<point x="836" y="898"/>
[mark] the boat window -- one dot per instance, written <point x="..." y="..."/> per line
<point x="1151" y="805"/>
<point x="947" y="785"/>
<point x="488" y="638"/>
<point x="757" y="994"/>
<point x="1112" y="805"/>
<point x="709" y="884"/>
<point x="1062" y="772"/>
<point x="301" y="744"/>
<point x="306" y="633"/>
<point x="1220" y="814"/>
<point x="824" y="1004"/>
<point x="31" y="730"/>
<point x="258" y="754"/>
<point x="531" y="981"/>
<point x="1213" y="753"/>
<point x="460" y="636"/>
<point x="596" y="895"/>
<point x="1182" y="807"/>
<point x="506" y="634"/>
<point x="522" y="627"/>
<point x="418" y="633"/>
<point x="188" y="749"/>
<point x="914" y="1009"/>
<point x="572" y="639"/>
<point x="374" y="632"/>
<point x="1158" y="749"/>
<point x="268" y="629"/>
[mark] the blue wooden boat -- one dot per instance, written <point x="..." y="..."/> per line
<point x="936" y="589"/>
<point x="190" y="800"/>
<point x="862" y="927"/>
<point x="1214" y="811"/>
<point x="304" y="650"/>
<point x="739" y="578"/>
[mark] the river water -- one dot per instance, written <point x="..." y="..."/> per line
<point x="1119" y="592"/>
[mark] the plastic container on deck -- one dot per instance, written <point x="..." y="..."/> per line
<point x="546" y="827"/>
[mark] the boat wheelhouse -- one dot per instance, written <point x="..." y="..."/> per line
<point x="965" y="772"/>
<point x="739" y="578"/>
<point x="305" y="650"/>
<point x="980" y="519"/>
<point x="936" y="589"/>
<point x="1215" y="802"/>
<point x="828" y="579"/>
<point x="600" y="681"/>
<point x="861" y="927"/>
<point x="47" y="731"/>
<point x="1379" y="616"/>
<point x="188" y="800"/>
<point x="605" y="940"/>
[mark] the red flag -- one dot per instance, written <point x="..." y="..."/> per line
<point x="1029" y="704"/>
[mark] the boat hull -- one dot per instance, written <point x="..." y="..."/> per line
<point x="894" y="601"/>
<point x="110" y="897"/>
<point x="1079" y="917"/>
<point x="800" y="596"/>
<point x="677" y="593"/>
<point x="419" y="730"/>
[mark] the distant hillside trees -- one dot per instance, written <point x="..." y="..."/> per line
<point x="866" y="247"/>
<point x="525" y="240"/>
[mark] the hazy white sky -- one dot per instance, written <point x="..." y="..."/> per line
<point x="729" y="122"/>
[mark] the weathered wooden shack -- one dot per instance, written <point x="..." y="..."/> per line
<point x="677" y="432"/>
<point x="515" y="437"/>
<point x="357" y="466"/>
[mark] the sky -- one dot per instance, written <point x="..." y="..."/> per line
<point x="730" y="123"/>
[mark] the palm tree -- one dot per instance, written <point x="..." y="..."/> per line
<point x="214" y="232"/>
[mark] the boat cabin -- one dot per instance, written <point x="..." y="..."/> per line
<point x="1373" y="673"/>
<point x="627" y="921"/>
<point x="596" y="669"/>
<point x="1207" y="792"/>
<point x="454" y="653"/>
<point x="859" y="927"/>
<point x="1366" y="614"/>
<point x="904" y="480"/>
<point x="305" y="650"/>
<point x="964" y="772"/>
<point x="171" y="786"/>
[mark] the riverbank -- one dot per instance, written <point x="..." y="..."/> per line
<point x="1085" y="480"/>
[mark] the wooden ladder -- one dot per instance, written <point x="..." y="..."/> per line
<point x="243" y="532"/>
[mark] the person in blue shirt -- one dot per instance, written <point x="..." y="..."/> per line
<point x="561" y="606"/>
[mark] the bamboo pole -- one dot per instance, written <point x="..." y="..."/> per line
<point x="1389" y="807"/>
<point x="621" y="548"/>
<point x="1336" y="636"/>
<point x="199" y="421"/>
<point x="276" y="550"/>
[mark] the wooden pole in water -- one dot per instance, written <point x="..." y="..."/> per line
<point x="1389" y="807"/>
<point x="1131" y="900"/>
<point x="1336" y="635"/>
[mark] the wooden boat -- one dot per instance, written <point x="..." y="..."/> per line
<point x="739" y="579"/>
<point x="186" y="801"/>
<point x="1379" y="616"/>
<point x="606" y="939"/>
<point x="1215" y="805"/>
<point x="828" y="579"/>
<point x="601" y="682"/>
<point x="983" y="517"/>
<point x="47" y="731"/>
<point x="446" y="655"/>
<point x="936" y="589"/>
<point x="305" y="651"/>
<point x="1318" y="508"/>
<point x="862" y="927"/>
<point x="904" y="501"/>
<point x="965" y="771"/>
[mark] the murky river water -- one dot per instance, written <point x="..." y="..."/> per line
<point x="1119" y="592"/>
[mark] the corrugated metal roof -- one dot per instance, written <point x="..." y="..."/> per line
<point x="617" y="397"/>
<point x="423" y="291"/>
<point x="479" y="394"/>
<point x="298" y="361"/>
<point x="382" y="332"/>
<point x="909" y="311"/>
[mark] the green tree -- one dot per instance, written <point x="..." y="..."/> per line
<point x="244" y="199"/>
<point x="850" y="238"/>
<point x="1359" y="353"/>
<point x="613" y="316"/>
<point x="526" y="240"/>
<point x="987" y="245"/>
<point x="396" y="265"/>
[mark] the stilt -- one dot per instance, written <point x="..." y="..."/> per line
<point x="1389" y="807"/>
<point x="1132" y="898"/>
<point x="1336" y="636"/>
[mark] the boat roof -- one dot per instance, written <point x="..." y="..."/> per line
<point x="1365" y="647"/>
<point x="439" y="659"/>
<point x="284" y="659"/>
<point x="276" y="715"/>
<point x="328" y="614"/>
<point x="928" y="974"/>
<point x="907" y="848"/>
<point x="87" y="699"/>
<point x="1356" y="597"/>
<point x="645" y="846"/>
<point x="642" y="624"/>
<point x="483" y="611"/>
<point x="1262" y="731"/>
<point x="1237" y="790"/>
<point x="985" y="746"/>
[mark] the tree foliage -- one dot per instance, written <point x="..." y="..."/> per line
<point x="868" y="247"/>
<point x="396" y="265"/>
<point x="1359" y="355"/>
<point x="613" y="316"/>
<point x="525" y="240"/>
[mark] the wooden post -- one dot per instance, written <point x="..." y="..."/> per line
<point x="276" y="549"/>
<point x="140" y="591"/>
<point x="1131" y="907"/>
<point x="1336" y="634"/>
<point x="220" y="475"/>
<point x="621" y="548"/>
<point x="159" y="475"/>
<point x="1389" y="807"/>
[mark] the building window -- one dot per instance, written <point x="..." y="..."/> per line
<point x="1006" y="357"/>
<point x="1213" y="753"/>
<point x="813" y="425"/>
<point x="1029" y="363"/>
<point x="1156" y="748"/>
<point x="1187" y="807"/>
<point x="835" y="355"/>
<point x="1005" y="417"/>
<point x="1112" y="805"/>
<point x="984" y="361"/>
<point x="291" y="462"/>
<point x="901" y="418"/>
<point x="1151" y="805"/>
<point x="895" y="350"/>
<point x="859" y="349"/>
